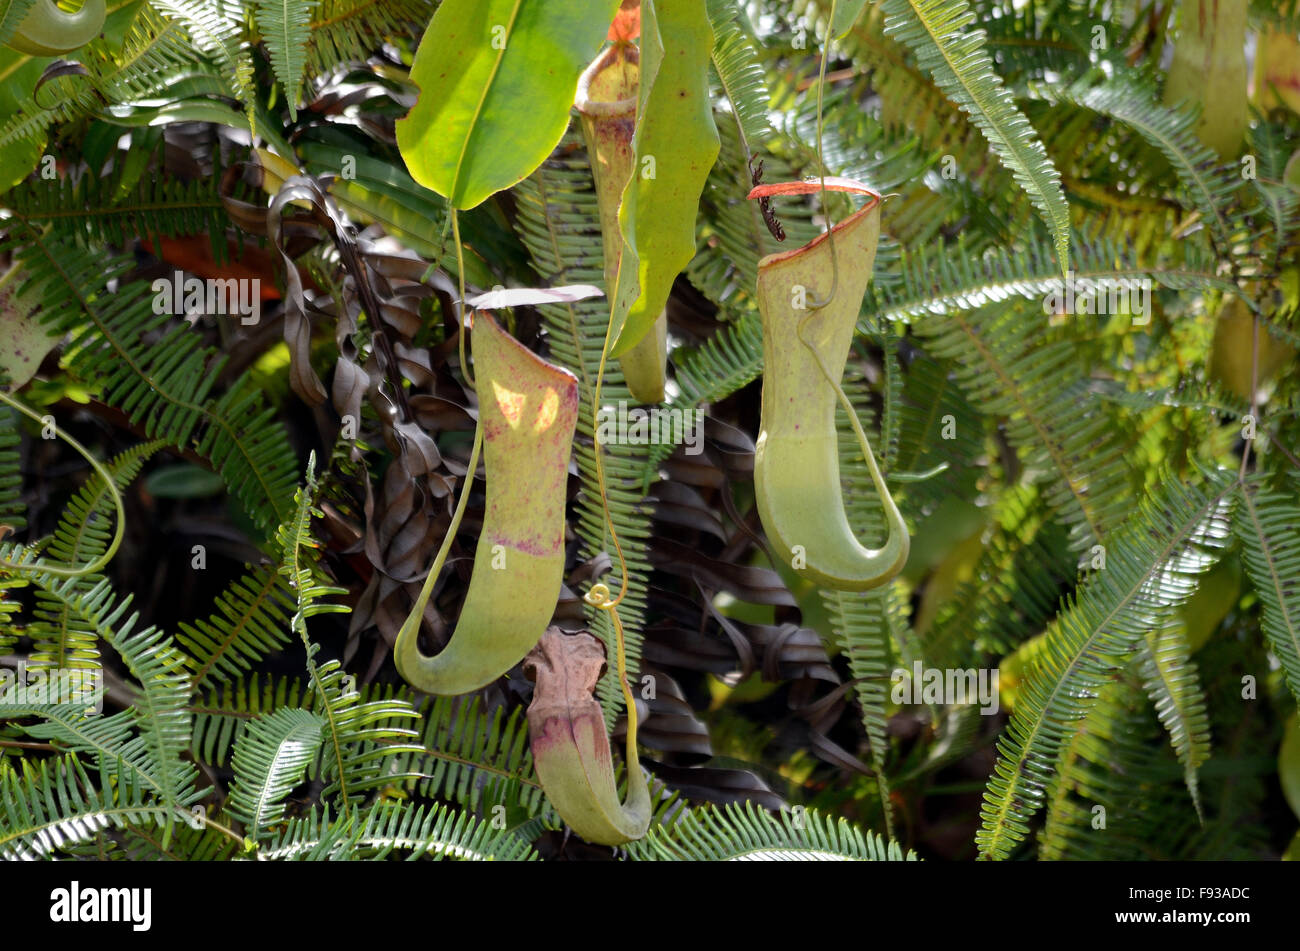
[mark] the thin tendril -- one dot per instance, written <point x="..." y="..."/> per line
<point x="416" y="616"/>
<point x="599" y="596"/>
<point x="73" y="571"/>
<point x="821" y="164"/>
<point x="858" y="431"/>
<point x="460" y="317"/>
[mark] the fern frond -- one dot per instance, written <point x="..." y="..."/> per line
<point x="747" y="833"/>
<point x="864" y="624"/>
<point x="62" y="637"/>
<point x="155" y="370"/>
<point x="939" y="33"/>
<point x="735" y="61"/>
<point x="55" y="804"/>
<point x="216" y="30"/>
<point x="223" y="715"/>
<point x="350" y="31"/>
<point x="476" y="757"/>
<point x="1207" y="186"/>
<point x="361" y="739"/>
<point x="95" y="210"/>
<point x="1266" y="525"/>
<point x="1109" y="764"/>
<point x="271" y="758"/>
<point x="942" y="278"/>
<point x="1005" y="370"/>
<point x="435" y="832"/>
<point x="249" y="621"/>
<point x="285" y="28"/>
<point x="1150" y="569"/>
<point x="1170" y="679"/>
<point x="12" y="509"/>
<point x="15" y="12"/>
<point x="1014" y="588"/>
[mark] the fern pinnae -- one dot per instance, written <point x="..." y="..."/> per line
<point x="271" y="758"/>
<point x="360" y="738"/>
<point x="476" y="757"/>
<point x="285" y="28"/>
<point x="433" y="832"/>
<point x="1037" y="388"/>
<point x="55" y="803"/>
<point x="736" y="64"/>
<point x="746" y="833"/>
<point x="1208" y="186"/>
<point x="1150" y="569"/>
<point x="1170" y="679"/>
<point x="938" y="32"/>
<point x="156" y="370"/>
<point x="63" y="638"/>
<point x="864" y="624"/>
<point x="1266" y="527"/>
<point x="350" y="31"/>
<point x="106" y="210"/>
<point x="249" y="620"/>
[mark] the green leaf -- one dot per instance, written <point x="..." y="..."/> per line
<point x="184" y="481"/>
<point x="27" y="341"/>
<point x="736" y="833"/>
<point x="846" y="14"/>
<point x="284" y="26"/>
<point x="676" y="143"/>
<point x="1271" y="552"/>
<point x="1151" y="568"/>
<point x="271" y="758"/>
<point x="496" y="82"/>
<point x="939" y="33"/>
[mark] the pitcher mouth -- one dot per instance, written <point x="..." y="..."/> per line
<point x="836" y="229"/>
<point x="603" y="108"/>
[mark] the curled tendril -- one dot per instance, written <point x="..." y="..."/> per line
<point x="599" y="597"/>
<point x="57" y="568"/>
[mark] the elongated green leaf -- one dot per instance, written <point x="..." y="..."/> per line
<point x="285" y="30"/>
<point x="846" y="14"/>
<point x="271" y="758"/>
<point x="676" y="144"/>
<point x="496" y="78"/>
<point x="1270" y="545"/>
<point x="939" y="33"/>
<point x="1151" y="569"/>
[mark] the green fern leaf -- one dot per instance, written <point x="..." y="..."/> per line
<point x="938" y="32"/>
<point x="1266" y="525"/>
<point x="284" y="25"/>
<point x="1150" y="569"/>
<point x="746" y="833"/>
<point x="271" y="758"/>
